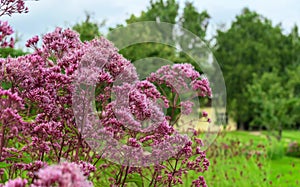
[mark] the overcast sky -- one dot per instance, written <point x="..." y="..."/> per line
<point x="45" y="15"/>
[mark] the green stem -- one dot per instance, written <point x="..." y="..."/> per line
<point x="126" y="173"/>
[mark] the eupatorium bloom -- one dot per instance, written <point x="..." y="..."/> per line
<point x="41" y="86"/>
<point x="64" y="175"/>
<point x="181" y="78"/>
<point x="9" y="7"/>
<point x="18" y="182"/>
<point x="5" y="32"/>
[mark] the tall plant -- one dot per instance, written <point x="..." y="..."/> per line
<point x="43" y="144"/>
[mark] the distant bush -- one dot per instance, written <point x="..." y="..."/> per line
<point x="6" y="52"/>
<point x="293" y="149"/>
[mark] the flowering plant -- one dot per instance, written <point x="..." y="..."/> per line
<point x="48" y="137"/>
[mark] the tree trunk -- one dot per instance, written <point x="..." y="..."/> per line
<point x="240" y="125"/>
<point x="279" y="133"/>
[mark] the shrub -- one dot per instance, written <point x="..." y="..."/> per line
<point x="293" y="149"/>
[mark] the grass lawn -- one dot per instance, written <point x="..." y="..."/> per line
<point x="286" y="171"/>
<point x="239" y="169"/>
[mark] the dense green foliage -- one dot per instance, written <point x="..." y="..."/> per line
<point x="159" y="11"/>
<point x="253" y="45"/>
<point x="88" y="30"/>
<point x="168" y="11"/>
<point x="5" y="52"/>
<point x="272" y="102"/>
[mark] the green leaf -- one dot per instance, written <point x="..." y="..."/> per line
<point x="138" y="180"/>
<point x="6" y="85"/>
<point x="5" y="176"/>
<point x="4" y="165"/>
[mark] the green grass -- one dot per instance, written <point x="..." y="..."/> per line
<point x="286" y="171"/>
<point x="231" y="165"/>
<point x="228" y="169"/>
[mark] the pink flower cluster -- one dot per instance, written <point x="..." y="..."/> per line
<point x="9" y="7"/>
<point x="46" y="104"/>
<point x="43" y="81"/>
<point x="63" y="175"/>
<point x="18" y="182"/>
<point x="181" y="78"/>
<point x="5" y="32"/>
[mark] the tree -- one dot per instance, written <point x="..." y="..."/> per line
<point x="159" y="11"/>
<point x="293" y="87"/>
<point x="251" y="45"/>
<point x="88" y="30"/>
<point x="195" y="21"/>
<point x="168" y="11"/>
<point x="271" y="103"/>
